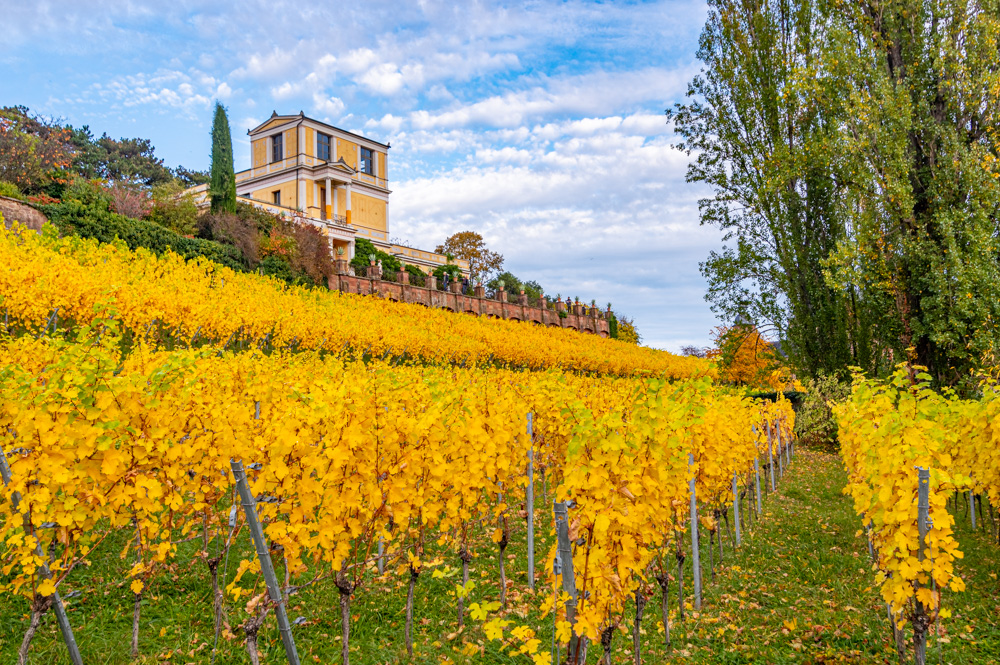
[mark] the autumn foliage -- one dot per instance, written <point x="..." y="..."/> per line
<point x="745" y="358"/>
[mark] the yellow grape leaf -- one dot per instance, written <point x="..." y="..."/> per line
<point x="46" y="588"/>
<point x="136" y="586"/>
<point x="564" y="631"/>
<point x="494" y="629"/>
<point x="543" y="658"/>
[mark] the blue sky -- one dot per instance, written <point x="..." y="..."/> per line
<point x="538" y="124"/>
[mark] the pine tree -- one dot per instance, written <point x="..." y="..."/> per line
<point x="222" y="188"/>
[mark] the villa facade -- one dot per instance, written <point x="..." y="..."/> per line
<point x="325" y="176"/>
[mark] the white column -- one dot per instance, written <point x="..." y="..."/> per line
<point x="301" y="203"/>
<point x="347" y="208"/>
<point x="335" y="201"/>
<point x="301" y="148"/>
<point x="329" y="193"/>
<point x="316" y="196"/>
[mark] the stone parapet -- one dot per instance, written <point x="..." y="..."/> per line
<point x="474" y="303"/>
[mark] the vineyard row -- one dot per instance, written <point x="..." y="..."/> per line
<point x="355" y="467"/>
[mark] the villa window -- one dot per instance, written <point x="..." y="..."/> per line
<point x="367" y="161"/>
<point x="323" y="147"/>
<point x="277" y="148"/>
<point x="276" y="197"/>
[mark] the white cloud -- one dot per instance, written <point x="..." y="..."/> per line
<point x="600" y="210"/>
<point x="388" y="122"/>
<point x="330" y="106"/>
<point x="597" y="92"/>
<point x="383" y="79"/>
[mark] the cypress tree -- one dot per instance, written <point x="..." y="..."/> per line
<point x="222" y="188"/>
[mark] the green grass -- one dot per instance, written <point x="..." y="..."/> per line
<point x="799" y="590"/>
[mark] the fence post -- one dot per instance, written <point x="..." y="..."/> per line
<point x="920" y="621"/>
<point x="756" y="475"/>
<point x="64" y="627"/>
<point x="695" y="554"/>
<point x="266" y="568"/>
<point x="788" y="448"/>
<point x="972" y="508"/>
<point x="529" y="500"/>
<point x="770" y="453"/>
<point x="780" y="452"/>
<point x="736" y="509"/>
<point x="565" y="558"/>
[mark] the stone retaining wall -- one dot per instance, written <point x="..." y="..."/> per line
<point x="13" y="210"/>
<point x="578" y="317"/>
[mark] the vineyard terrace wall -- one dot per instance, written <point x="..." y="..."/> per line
<point x="578" y="317"/>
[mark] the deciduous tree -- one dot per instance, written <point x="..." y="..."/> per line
<point x="764" y="148"/>
<point x="31" y="148"/>
<point x="470" y="246"/>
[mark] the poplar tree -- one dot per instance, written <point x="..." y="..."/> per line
<point x="853" y="155"/>
<point x="222" y="188"/>
<point x="764" y="149"/>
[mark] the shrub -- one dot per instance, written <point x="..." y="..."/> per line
<point x="276" y="267"/>
<point x="174" y="210"/>
<point x="230" y="229"/>
<point x="129" y="200"/>
<point x="508" y="281"/>
<point x="450" y="269"/>
<point x="312" y="256"/>
<point x="262" y="220"/>
<point x="92" y="221"/>
<point x="364" y="250"/>
<point x="814" y="421"/>
<point x="87" y="192"/>
<point x="533" y="289"/>
<point x="11" y="190"/>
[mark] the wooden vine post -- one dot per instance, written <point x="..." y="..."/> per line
<point x="770" y="454"/>
<point x="529" y="503"/>
<point x="736" y="509"/>
<point x="266" y="568"/>
<point x="921" y="619"/>
<point x="695" y="555"/>
<point x="565" y="559"/>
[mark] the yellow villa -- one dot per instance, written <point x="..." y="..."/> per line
<point x="325" y="176"/>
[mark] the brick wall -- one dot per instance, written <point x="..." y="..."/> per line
<point x="577" y="318"/>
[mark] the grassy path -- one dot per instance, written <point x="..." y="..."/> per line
<point x="799" y="590"/>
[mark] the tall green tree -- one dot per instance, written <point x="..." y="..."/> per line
<point x="222" y="188"/>
<point x="764" y="149"/>
<point x="851" y="151"/>
<point x="124" y="160"/>
<point x="919" y="82"/>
